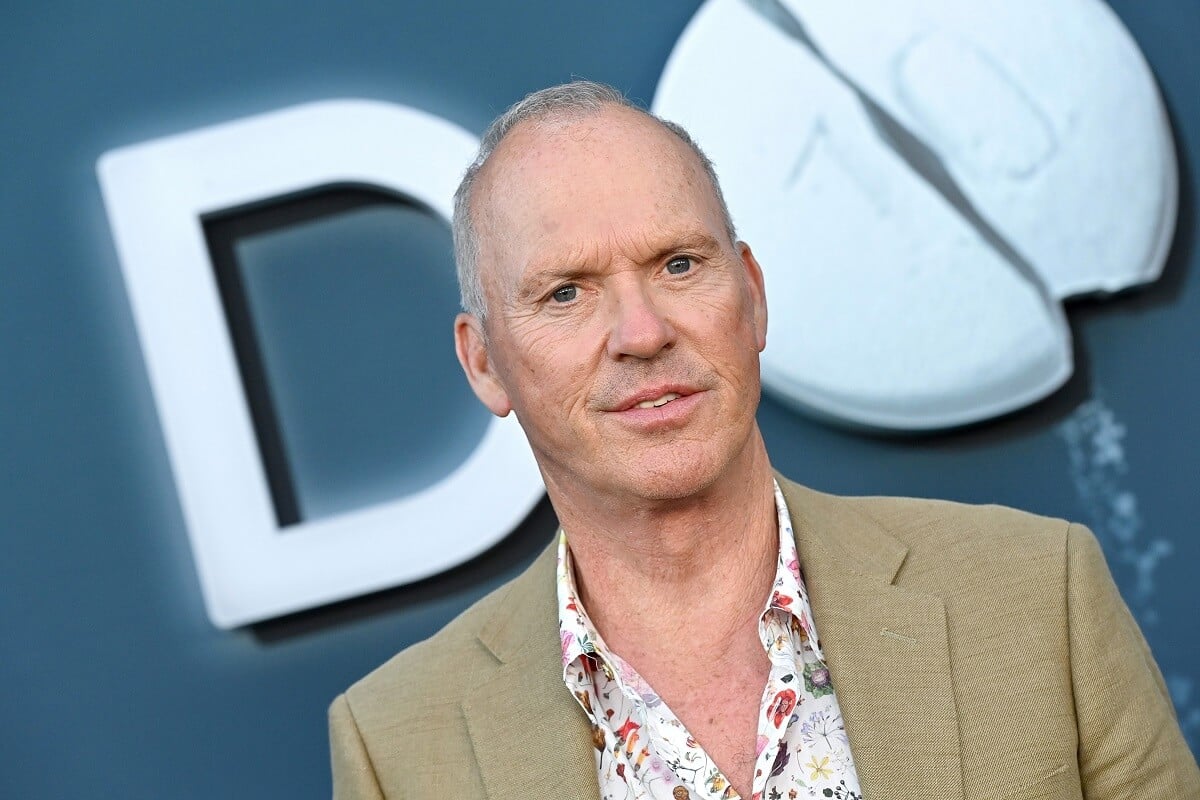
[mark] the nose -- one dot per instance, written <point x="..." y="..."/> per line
<point x="638" y="328"/>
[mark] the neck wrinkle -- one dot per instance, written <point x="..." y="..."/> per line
<point x="705" y="565"/>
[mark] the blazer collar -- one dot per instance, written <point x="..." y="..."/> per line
<point x="520" y="617"/>
<point x="887" y="647"/>
<point x="531" y="738"/>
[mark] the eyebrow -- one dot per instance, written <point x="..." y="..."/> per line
<point x="533" y="285"/>
<point x="694" y="241"/>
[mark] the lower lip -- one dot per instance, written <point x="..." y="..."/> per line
<point x="669" y="415"/>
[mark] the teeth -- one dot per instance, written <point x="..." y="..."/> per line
<point x="662" y="401"/>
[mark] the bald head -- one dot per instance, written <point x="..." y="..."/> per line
<point x="547" y="110"/>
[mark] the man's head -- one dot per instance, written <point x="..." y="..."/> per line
<point x="617" y="317"/>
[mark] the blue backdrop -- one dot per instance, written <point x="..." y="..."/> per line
<point x="112" y="681"/>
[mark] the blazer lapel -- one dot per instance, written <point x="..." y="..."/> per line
<point x="886" y="647"/>
<point x="530" y="737"/>
<point x="887" y="650"/>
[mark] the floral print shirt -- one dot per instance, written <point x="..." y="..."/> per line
<point x="643" y="752"/>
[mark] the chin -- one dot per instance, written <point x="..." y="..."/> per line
<point x="684" y="474"/>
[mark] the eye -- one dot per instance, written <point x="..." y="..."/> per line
<point x="565" y="294"/>
<point x="679" y="265"/>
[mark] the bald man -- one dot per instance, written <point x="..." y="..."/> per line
<point x="701" y="627"/>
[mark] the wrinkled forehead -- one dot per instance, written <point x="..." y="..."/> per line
<point x="553" y="186"/>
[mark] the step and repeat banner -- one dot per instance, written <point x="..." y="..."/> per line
<point x="237" y="442"/>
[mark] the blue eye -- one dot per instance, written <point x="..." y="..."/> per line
<point x="679" y="265"/>
<point x="565" y="294"/>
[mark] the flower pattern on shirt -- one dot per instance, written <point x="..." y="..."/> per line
<point x="643" y="751"/>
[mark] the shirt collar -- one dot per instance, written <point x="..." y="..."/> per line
<point x="788" y="593"/>
<point x="580" y="638"/>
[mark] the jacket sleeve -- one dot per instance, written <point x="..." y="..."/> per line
<point x="1130" y="744"/>
<point x="353" y="776"/>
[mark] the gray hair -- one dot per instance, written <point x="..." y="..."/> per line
<point x="565" y="101"/>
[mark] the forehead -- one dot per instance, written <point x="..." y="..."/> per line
<point x="564" y="188"/>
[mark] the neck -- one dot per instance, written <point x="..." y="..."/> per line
<point x="647" y="569"/>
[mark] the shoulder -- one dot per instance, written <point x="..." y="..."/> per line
<point x="430" y="679"/>
<point x="950" y="527"/>
<point x="402" y="725"/>
<point x="431" y="672"/>
<point x="944" y="547"/>
<point x="957" y="549"/>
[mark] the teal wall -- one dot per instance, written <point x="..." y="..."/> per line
<point x="114" y="684"/>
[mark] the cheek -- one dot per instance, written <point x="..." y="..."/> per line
<point x="721" y="300"/>
<point x="553" y="365"/>
<point x="726" y="318"/>
<point x="727" y="340"/>
<point x="545" y="353"/>
<point x="534" y="346"/>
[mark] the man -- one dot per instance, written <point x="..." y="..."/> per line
<point x="702" y="627"/>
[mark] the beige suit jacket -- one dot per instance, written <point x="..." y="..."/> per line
<point x="976" y="652"/>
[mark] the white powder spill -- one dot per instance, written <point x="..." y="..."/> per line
<point x="1094" y="439"/>
<point x="1099" y="471"/>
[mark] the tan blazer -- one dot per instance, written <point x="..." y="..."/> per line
<point x="976" y="652"/>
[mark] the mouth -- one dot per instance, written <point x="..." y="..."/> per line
<point x="658" y="402"/>
<point x="656" y="397"/>
<point x="663" y="408"/>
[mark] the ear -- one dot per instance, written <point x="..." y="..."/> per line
<point x="758" y="292"/>
<point x="470" y="343"/>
